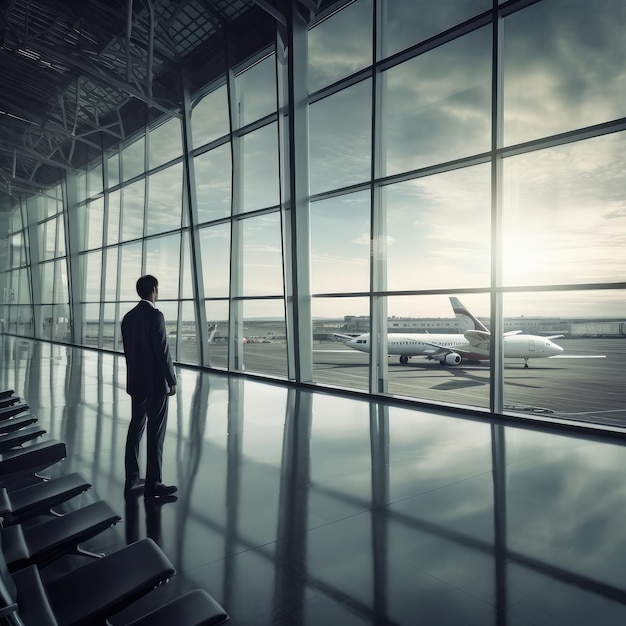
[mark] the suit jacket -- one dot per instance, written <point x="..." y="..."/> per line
<point x="149" y="369"/>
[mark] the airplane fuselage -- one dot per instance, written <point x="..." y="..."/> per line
<point x="439" y="347"/>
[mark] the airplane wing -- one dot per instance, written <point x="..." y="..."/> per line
<point x="439" y="351"/>
<point x="343" y="337"/>
<point x="554" y="336"/>
<point x="479" y="339"/>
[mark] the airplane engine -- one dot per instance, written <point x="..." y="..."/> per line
<point x="452" y="359"/>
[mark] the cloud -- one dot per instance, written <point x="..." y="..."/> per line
<point x="615" y="214"/>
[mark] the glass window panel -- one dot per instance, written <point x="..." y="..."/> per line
<point x="21" y="321"/>
<point x="170" y="313"/>
<point x="334" y="362"/>
<point x="61" y="289"/>
<point x="340" y="138"/>
<point x="262" y="256"/>
<point x="260" y="168"/>
<point x="163" y="261"/>
<point x="165" y="143"/>
<point x="213" y="176"/>
<point x="113" y="219"/>
<point x="563" y="214"/>
<point x="49" y="206"/>
<point x="46" y="232"/>
<point x="95" y="220"/>
<point x="256" y="91"/>
<point x="81" y="186"/>
<point x="340" y="244"/>
<point x="94" y="180"/>
<point x="438" y="230"/>
<point x="133" y="210"/>
<point x="61" y="329"/>
<point x="110" y="278"/>
<point x="113" y="169"/>
<point x="15" y="221"/>
<point x="215" y="251"/>
<point x="91" y="322"/>
<point x="217" y="315"/>
<point x="563" y="67"/>
<point x="21" y="287"/>
<point x="209" y="118"/>
<point x="407" y="22"/>
<point x="265" y="349"/>
<point x="46" y="321"/>
<point x="340" y="45"/>
<point x="91" y="271"/>
<point x="61" y="235"/>
<point x="437" y="106"/>
<point x="133" y="159"/>
<point x="26" y="321"/>
<point x="81" y="216"/>
<point x="17" y="250"/>
<point x="187" y="274"/>
<point x="130" y="271"/>
<point x="593" y="328"/>
<point x="188" y="342"/>
<point x="109" y="326"/>
<point x="165" y="196"/>
<point x="46" y="276"/>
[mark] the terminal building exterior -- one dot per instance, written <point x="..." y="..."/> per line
<point x="291" y="170"/>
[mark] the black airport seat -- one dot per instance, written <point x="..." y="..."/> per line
<point x="15" y="439"/>
<point x="87" y="595"/>
<point x="195" y="608"/>
<point x="16" y="409"/>
<point x="39" y="499"/>
<point x="8" y="401"/>
<point x="44" y="542"/>
<point x="15" y="423"/>
<point x="5" y="393"/>
<point x="30" y="459"/>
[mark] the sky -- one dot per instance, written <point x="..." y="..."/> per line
<point x="563" y="208"/>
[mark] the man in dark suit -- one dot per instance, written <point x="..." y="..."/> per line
<point x="150" y="380"/>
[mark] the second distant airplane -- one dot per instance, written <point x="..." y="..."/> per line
<point x="452" y="349"/>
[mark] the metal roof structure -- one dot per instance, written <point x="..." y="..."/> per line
<point x="80" y="76"/>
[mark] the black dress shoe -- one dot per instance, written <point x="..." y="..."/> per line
<point x="160" y="491"/>
<point x="131" y="486"/>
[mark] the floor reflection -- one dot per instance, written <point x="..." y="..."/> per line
<point x="303" y="508"/>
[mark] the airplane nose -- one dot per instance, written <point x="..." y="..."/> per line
<point x="557" y="349"/>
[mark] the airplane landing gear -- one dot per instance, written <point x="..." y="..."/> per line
<point x="525" y="363"/>
<point x="404" y="359"/>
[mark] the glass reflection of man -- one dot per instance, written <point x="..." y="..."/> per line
<point x="150" y="380"/>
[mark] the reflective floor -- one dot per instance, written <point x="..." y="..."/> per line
<point x="309" y="508"/>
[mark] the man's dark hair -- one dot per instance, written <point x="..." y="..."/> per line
<point x="145" y="285"/>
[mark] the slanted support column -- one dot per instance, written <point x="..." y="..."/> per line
<point x="496" y="386"/>
<point x="189" y="189"/>
<point x="74" y="270"/>
<point x="378" y="370"/>
<point x="291" y="59"/>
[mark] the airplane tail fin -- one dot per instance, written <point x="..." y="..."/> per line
<point x="212" y="333"/>
<point x="464" y="318"/>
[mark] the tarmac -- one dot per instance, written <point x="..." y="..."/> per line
<point x="585" y="383"/>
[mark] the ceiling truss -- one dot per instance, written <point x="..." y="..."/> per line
<point x="80" y="75"/>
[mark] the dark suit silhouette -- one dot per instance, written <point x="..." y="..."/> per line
<point x="149" y="377"/>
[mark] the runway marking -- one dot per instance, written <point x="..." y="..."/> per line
<point x="592" y="412"/>
<point x="578" y="356"/>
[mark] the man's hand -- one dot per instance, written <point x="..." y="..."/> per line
<point x="172" y="391"/>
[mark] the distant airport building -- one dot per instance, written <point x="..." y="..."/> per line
<point x="535" y="325"/>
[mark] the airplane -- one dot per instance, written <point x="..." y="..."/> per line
<point x="452" y="349"/>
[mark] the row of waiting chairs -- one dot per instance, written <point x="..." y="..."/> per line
<point x="126" y="587"/>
